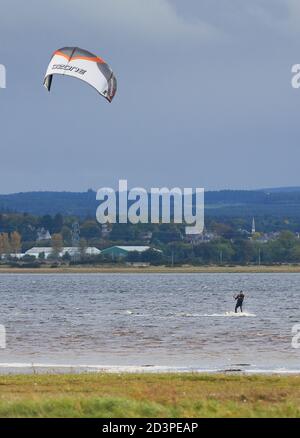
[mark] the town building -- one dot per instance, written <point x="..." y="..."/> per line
<point x="253" y="227"/>
<point x="146" y="236"/>
<point x="43" y="234"/>
<point x="105" y="231"/>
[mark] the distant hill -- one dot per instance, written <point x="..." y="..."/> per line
<point x="41" y="203"/>
<point x="279" y="202"/>
<point x="281" y="189"/>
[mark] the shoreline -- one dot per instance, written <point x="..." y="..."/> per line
<point x="263" y="269"/>
<point x="52" y="369"/>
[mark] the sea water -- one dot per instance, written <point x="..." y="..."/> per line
<point x="149" y="321"/>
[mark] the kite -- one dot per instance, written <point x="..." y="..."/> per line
<point x="84" y="65"/>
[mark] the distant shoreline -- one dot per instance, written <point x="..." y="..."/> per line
<point x="152" y="269"/>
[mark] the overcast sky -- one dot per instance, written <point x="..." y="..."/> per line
<point x="204" y="95"/>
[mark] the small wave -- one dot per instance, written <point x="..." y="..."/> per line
<point x="137" y="314"/>
<point x="188" y="315"/>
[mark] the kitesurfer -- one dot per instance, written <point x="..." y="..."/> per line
<point x="239" y="301"/>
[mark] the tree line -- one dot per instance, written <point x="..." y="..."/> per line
<point x="229" y="243"/>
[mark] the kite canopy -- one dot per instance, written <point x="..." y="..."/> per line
<point x="84" y="65"/>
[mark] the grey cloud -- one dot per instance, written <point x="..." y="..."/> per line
<point x="204" y="94"/>
<point x="141" y="19"/>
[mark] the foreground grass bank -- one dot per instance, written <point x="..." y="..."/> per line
<point x="185" y="269"/>
<point x="149" y="395"/>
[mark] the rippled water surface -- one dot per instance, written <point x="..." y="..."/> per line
<point x="176" y="320"/>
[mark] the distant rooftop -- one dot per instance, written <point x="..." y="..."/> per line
<point x="133" y="248"/>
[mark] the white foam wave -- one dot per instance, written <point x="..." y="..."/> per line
<point x="236" y="315"/>
<point x="226" y="314"/>
<point x="71" y="368"/>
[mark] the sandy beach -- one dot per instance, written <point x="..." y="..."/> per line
<point x="186" y="269"/>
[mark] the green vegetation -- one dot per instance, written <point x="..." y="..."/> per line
<point x="149" y="395"/>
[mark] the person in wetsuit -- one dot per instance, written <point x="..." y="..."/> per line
<point x="239" y="301"/>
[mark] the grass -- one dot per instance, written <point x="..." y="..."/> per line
<point x="149" y="395"/>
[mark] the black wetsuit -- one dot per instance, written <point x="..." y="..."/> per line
<point x="239" y="302"/>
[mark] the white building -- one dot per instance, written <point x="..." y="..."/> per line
<point x="72" y="251"/>
<point x="18" y="256"/>
<point x="43" y="234"/>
